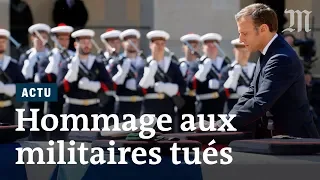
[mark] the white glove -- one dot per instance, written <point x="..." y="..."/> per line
<point x="55" y="52"/>
<point x="242" y="89"/>
<point x="123" y="70"/>
<point x="234" y="75"/>
<point x="27" y="69"/>
<point x="203" y="71"/>
<point x="131" y="84"/>
<point x="231" y="83"/>
<point x="72" y="74"/>
<point x="171" y="89"/>
<point x="147" y="80"/>
<point x="9" y="89"/>
<point x="52" y="66"/>
<point x="237" y="69"/>
<point x="109" y="65"/>
<point x="213" y="84"/>
<point x="153" y="68"/>
<point x="36" y="77"/>
<point x="159" y="87"/>
<point x="28" y="65"/>
<point x="183" y="69"/>
<point x="148" y="75"/>
<point x="85" y="84"/>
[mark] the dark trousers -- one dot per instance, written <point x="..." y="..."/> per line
<point x="7" y="115"/>
<point x="87" y="111"/>
<point x="122" y="108"/>
<point x="210" y="106"/>
<point x="77" y="109"/>
<point x="317" y="123"/>
<point x="158" y="107"/>
<point x="188" y="108"/>
<point x="42" y="134"/>
<point x="56" y="109"/>
<point x="108" y="108"/>
<point x="229" y="105"/>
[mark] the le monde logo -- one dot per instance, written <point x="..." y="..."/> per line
<point x="299" y="15"/>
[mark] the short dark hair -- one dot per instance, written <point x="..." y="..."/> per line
<point x="260" y="14"/>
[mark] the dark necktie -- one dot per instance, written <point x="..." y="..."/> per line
<point x="258" y="70"/>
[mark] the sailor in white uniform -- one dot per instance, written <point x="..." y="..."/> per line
<point x="238" y="75"/>
<point x="10" y="74"/>
<point x="30" y="61"/>
<point x="112" y="42"/>
<point x="188" y="67"/>
<point x="49" y="67"/>
<point x="207" y="80"/>
<point x="128" y="97"/>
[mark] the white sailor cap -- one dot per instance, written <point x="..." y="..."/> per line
<point x="190" y="37"/>
<point x="4" y="32"/>
<point x="39" y="27"/>
<point x="158" y="34"/>
<point x="110" y="33"/>
<point x="130" y="32"/>
<point x="62" y="28"/>
<point x="236" y="42"/>
<point x="83" y="33"/>
<point x="211" y="36"/>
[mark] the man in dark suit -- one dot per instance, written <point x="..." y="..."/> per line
<point x="276" y="102"/>
<point x="71" y="12"/>
<point x="19" y="26"/>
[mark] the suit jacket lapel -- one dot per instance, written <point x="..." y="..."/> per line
<point x="263" y="60"/>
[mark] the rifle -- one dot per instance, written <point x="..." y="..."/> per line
<point x="243" y="76"/>
<point x="44" y="42"/>
<point x="226" y="58"/>
<point x="100" y="51"/>
<point x="113" y="54"/>
<point x="213" y="72"/>
<point x="111" y="49"/>
<point x="63" y="52"/>
<point x="172" y="56"/>
<point x="16" y="44"/>
<point x="162" y="76"/>
<point x="245" y="79"/>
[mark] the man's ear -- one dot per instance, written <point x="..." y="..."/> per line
<point x="264" y="28"/>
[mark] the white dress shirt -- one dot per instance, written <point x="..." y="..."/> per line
<point x="267" y="46"/>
